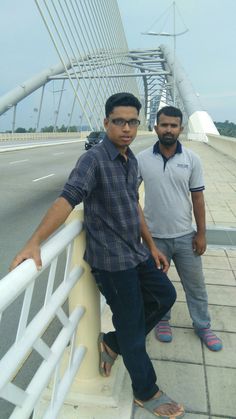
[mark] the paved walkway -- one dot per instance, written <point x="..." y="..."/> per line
<point x="204" y="381"/>
<point x="220" y="180"/>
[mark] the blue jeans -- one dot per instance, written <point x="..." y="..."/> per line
<point x="138" y="298"/>
<point x="189" y="267"/>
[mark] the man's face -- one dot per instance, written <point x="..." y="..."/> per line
<point x="121" y="136"/>
<point x="168" y="129"/>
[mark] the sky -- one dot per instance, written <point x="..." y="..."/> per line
<point x="206" y="51"/>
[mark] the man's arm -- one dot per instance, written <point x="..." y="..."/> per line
<point x="199" y="241"/>
<point x="160" y="259"/>
<point x="53" y="219"/>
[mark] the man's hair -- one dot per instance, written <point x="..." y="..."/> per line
<point x="170" y="111"/>
<point x="121" y="99"/>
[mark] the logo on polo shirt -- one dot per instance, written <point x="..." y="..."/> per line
<point x="183" y="166"/>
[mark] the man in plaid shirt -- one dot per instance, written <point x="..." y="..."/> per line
<point x="132" y="278"/>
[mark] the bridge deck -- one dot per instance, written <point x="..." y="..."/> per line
<point x="202" y="380"/>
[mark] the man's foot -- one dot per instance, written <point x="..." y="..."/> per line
<point x="163" y="331"/>
<point x="107" y="357"/>
<point x="162" y="406"/>
<point x="210" y="339"/>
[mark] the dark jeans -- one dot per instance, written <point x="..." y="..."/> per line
<point x="138" y="298"/>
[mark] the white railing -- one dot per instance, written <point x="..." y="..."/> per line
<point x="37" y="135"/>
<point x="29" y="336"/>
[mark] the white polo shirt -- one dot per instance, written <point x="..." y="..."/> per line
<point x="168" y="183"/>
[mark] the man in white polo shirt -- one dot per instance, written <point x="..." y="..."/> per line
<point x="173" y="181"/>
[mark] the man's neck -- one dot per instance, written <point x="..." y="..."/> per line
<point x="167" y="151"/>
<point x="124" y="152"/>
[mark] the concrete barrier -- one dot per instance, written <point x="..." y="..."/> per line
<point x="40" y="135"/>
<point x="226" y="145"/>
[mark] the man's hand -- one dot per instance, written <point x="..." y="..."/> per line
<point x="160" y="259"/>
<point x="30" y="251"/>
<point x="53" y="219"/>
<point x="199" y="243"/>
<point x="199" y="240"/>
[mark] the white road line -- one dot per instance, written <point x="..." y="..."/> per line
<point x="44" y="177"/>
<point x="18" y="161"/>
<point x="57" y="154"/>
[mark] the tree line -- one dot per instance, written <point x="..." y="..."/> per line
<point x="50" y="128"/>
<point x="226" y="128"/>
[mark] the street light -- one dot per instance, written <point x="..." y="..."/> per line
<point x="173" y="35"/>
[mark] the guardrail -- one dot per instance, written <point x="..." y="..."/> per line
<point x="226" y="145"/>
<point x="29" y="336"/>
<point x="41" y="135"/>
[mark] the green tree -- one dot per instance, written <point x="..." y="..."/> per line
<point x="226" y="128"/>
<point x="20" y="130"/>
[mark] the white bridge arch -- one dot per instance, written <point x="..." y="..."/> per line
<point x="95" y="62"/>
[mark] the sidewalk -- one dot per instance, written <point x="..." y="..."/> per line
<point x="204" y="381"/>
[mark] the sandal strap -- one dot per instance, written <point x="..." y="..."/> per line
<point x="105" y="356"/>
<point x="152" y="404"/>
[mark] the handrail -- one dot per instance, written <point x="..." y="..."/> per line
<point x="18" y="279"/>
<point x="29" y="334"/>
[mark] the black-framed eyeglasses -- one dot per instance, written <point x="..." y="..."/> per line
<point x="120" y="122"/>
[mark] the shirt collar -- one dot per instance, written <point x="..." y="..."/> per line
<point x="156" y="148"/>
<point x="113" y="151"/>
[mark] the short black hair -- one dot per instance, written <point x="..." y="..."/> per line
<point x="121" y="99"/>
<point x="170" y="111"/>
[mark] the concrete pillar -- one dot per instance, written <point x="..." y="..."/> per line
<point x="86" y="294"/>
<point x="199" y="125"/>
<point x="91" y="394"/>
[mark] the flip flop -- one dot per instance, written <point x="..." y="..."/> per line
<point x="104" y="356"/>
<point x="152" y="404"/>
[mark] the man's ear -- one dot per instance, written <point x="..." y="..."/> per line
<point x="105" y="122"/>
<point x="155" y="128"/>
<point x="182" y="128"/>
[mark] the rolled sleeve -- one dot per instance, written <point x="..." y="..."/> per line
<point x="81" y="181"/>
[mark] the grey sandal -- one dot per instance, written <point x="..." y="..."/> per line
<point x="152" y="404"/>
<point x="104" y="356"/>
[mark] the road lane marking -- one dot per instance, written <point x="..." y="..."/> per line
<point x="44" y="177"/>
<point x="18" y="161"/>
<point x="57" y="154"/>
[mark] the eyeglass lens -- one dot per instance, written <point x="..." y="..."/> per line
<point x="122" y="122"/>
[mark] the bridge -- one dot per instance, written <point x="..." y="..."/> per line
<point x="48" y="369"/>
<point x="95" y="63"/>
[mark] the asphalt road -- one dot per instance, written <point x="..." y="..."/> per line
<point x="31" y="179"/>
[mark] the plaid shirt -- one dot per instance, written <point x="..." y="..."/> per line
<point x="108" y="186"/>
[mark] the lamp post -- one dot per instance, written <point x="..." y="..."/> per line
<point x="36" y="122"/>
<point x="173" y="35"/>
<point x="80" y="119"/>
